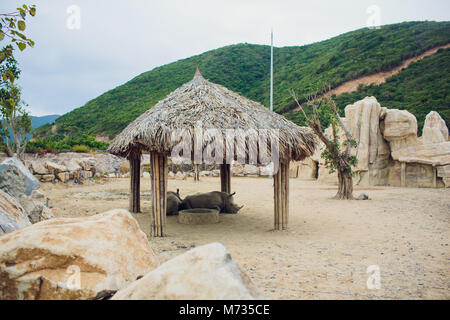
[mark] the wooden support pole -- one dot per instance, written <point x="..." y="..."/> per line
<point x="196" y="172"/>
<point x="286" y="196"/>
<point x="281" y="197"/>
<point x="135" y="182"/>
<point x="434" y="176"/>
<point x="403" y="175"/>
<point x="225" y="178"/>
<point x="159" y="193"/>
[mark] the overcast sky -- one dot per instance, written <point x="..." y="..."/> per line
<point x="120" y="39"/>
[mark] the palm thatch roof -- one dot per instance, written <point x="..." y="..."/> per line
<point x="214" y="107"/>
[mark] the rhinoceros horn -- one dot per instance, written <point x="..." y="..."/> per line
<point x="230" y="195"/>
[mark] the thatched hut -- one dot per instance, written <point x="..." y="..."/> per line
<point x="200" y="102"/>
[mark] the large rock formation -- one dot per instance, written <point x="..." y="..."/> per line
<point x="434" y="129"/>
<point x="417" y="162"/>
<point x="73" y="258"/>
<point x="203" y="273"/>
<point x="12" y="215"/>
<point x="389" y="151"/>
<point x="363" y="121"/>
<point x="400" y="129"/>
<point x="16" y="179"/>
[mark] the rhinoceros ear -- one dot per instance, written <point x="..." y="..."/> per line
<point x="230" y="195"/>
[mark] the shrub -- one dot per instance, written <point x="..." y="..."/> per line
<point x="81" y="149"/>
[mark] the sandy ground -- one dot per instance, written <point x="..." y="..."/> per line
<point x="328" y="247"/>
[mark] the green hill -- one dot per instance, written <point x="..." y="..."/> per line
<point x="244" y="68"/>
<point x="420" y="88"/>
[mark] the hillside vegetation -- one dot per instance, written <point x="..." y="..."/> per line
<point x="420" y="88"/>
<point x="244" y="68"/>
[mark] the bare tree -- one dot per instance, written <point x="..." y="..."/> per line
<point x="335" y="158"/>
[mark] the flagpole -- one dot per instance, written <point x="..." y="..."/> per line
<point x="271" y="70"/>
<point x="271" y="84"/>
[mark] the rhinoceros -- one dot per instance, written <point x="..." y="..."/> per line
<point x="221" y="201"/>
<point x="173" y="203"/>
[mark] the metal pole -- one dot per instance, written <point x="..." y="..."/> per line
<point x="271" y="71"/>
<point x="271" y="83"/>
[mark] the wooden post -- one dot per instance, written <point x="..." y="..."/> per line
<point x="135" y="182"/>
<point x="434" y="176"/>
<point x="225" y="178"/>
<point x="159" y="193"/>
<point x="403" y="175"/>
<point x="281" y="197"/>
<point x="286" y="196"/>
<point x="196" y="172"/>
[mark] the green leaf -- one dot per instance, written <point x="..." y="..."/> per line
<point x="32" y="11"/>
<point x="2" y="35"/>
<point x="21" y="25"/>
<point x="10" y="76"/>
<point x="21" y="35"/>
<point x="21" y="46"/>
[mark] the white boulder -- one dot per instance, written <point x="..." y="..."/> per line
<point x="55" y="168"/>
<point x="16" y="179"/>
<point x="74" y="258"/>
<point x="204" y="273"/>
<point x="12" y="215"/>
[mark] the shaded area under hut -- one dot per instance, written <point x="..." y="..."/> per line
<point x="172" y="127"/>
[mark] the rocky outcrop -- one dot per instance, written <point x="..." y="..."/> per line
<point x="12" y="215"/>
<point x="16" y="179"/>
<point x="400" y="129"/>
<point x="35" y="206"/>
<point x="54" y="168"/>
<point x="417" y="161"/>
<point x="38" y="168"/>
<point x="306" y="169"/>
<point x="76" y="167"/>
<point x="389" y="151"/>
<point x="443" y="172"/>
<point x="434" y="129"/>
<point x="433" y="154"/>
<point x="74" y="258"/>
<point x="204" y="273"/>
<point x="363" y="121"/>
